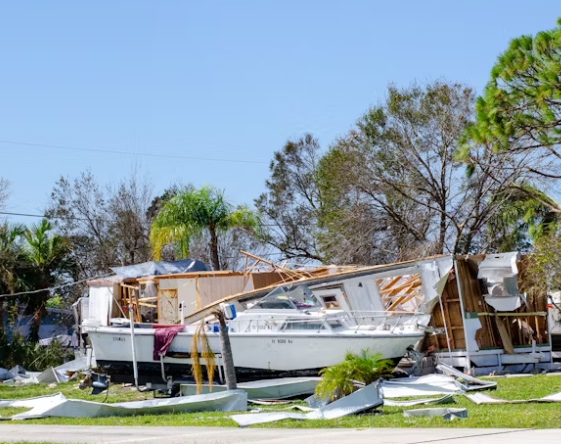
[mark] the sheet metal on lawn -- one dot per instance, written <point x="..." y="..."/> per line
<point x="359" y="401"/>
<point x="59" y="406"/>
<point x="280" y="388"/>
<point x="444" y="413"/>
<point x="482" y="398"/>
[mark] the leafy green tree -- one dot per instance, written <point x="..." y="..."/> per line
<point x="48" y="256"/>
<point x="525" y="218"/>
<point x="520" y="110"/>
<point x="189" y="214"/>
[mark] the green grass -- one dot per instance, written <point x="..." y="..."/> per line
<point x="496" y="416"/>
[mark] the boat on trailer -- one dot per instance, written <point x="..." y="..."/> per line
<point x="289" y="332"/>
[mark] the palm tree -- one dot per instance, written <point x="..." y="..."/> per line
<point x="11" y="257"/>
<point x="12" y="264"/>
<point x="191" y="213"/>
<point x="47" y="255"/>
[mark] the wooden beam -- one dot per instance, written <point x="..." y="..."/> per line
<point x="130" y="286"/>
<point x="401" y="300"/>
<point x="153" y="298"/>
<point x="446" y="320"/>
<point x="409" y="284"/>
<point x="391" y="283"/>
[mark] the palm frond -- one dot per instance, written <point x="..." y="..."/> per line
<point x="200" y="338"/>
<point x="246" y="219"/>
<point x="196" y="368"/>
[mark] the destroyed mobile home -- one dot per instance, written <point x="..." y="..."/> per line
<point x="284" y="329"/>
<point x="466" y="311"/>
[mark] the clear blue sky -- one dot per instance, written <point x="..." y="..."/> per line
<point x="230" y="79"/>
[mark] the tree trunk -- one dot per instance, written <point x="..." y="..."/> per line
<point x="442" y="237"/>
<point x="39" y="311"/>
<point x="33" y="334"/>
<point x="215" y="261"/>
<point x="227" y="356"/>
<point x="2" y="329"/>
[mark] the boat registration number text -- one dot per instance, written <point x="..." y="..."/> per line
<point x="282" y="341"/>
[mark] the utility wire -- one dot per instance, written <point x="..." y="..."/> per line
<point x="70" y="284"/>
<point x="165" y="156"/>
<point x="43" y="216"/>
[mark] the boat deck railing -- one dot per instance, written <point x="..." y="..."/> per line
<point x="346" y="320"/>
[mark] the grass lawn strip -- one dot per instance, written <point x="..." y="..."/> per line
<point x="479" y="416"/>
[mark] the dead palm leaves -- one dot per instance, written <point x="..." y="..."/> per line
<point x="200" y="341"/>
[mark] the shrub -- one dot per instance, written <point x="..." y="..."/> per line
<point x="31" y="355"/>
<point x="342" y="379"/>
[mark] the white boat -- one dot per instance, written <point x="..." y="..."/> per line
<point x="290" y="332"/>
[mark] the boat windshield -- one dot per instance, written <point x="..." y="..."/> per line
<point x="289" y="298"/>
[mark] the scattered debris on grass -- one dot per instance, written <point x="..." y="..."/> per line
<point x="364" y="399"/>
<point x="444" y="413"/>
<point x="59" y="406"/>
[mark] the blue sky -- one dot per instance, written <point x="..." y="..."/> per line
<point x="225" y="80"/>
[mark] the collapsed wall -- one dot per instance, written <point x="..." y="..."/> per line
<point x="490" y="316"/>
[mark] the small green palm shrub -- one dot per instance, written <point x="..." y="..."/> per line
<point x="357" y="369"/>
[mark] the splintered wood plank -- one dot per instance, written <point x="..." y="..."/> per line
<point x="153" y="298"/>
<point x="390" y="304"/>
<point x="405" y="299"/>
<point x="448" y="324"/>
<point x="395" y="303"/>
<point x="505" y="336"/>
<point x="401" y="300"/>
<point x="391" y="283"/>
<point x="132" y="287"/>
<point x="414" y="282"/>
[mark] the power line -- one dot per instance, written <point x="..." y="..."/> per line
<point x="42" y="290"/>
<point x="43" y="216"/>
<point x="96" y="150"/>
